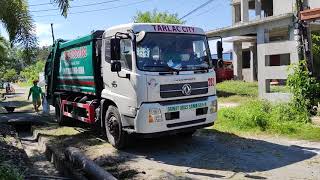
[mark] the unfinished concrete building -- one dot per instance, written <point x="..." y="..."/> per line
<point x="262" y="34"/>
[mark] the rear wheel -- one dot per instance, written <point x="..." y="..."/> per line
<point x="59" y="114"/>
<point x="115" y="134"/>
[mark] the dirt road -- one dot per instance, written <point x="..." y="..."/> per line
<point x="207" y="155"/>
<point x="216" y="155"/>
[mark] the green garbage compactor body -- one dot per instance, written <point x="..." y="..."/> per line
<point x="75" y="66"/>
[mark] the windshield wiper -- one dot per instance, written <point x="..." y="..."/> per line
<point x="171" y="69"/>
<point x="196" y="68"/>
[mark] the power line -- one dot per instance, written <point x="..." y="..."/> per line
<point x="196" y="9"/>
<point x="78" y="6"/>
<point x="204" y="12"/>
<point x="41" y="4"/>
<point x="95" y="10"/>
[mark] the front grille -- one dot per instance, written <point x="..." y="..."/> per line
<point x="186" y="123"/>
<point x="175" y="90"/>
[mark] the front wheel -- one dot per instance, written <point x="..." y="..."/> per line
<point x="115" y="134"/>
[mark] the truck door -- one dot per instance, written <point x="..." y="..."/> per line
<point x="121" y="89"/>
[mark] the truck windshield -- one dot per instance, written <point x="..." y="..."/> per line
<point x="161" y="52"/>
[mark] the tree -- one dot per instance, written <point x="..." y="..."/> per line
<point x="15" y="17"/>
<point x="316" y="52"/>
<point x="157" y="17"/>
<point x="4" y="50"/>
<point x="64" y="6"/>
<point x="31" y="72"/>
<point x="10" y="75"/>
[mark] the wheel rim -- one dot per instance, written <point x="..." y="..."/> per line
<point x="113" y="127"/>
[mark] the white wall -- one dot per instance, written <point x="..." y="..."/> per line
<point x="283" y="6"/>
<point x="314" y="3"/>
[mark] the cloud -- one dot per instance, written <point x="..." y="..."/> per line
<point x="44" y="29"/>
<point x="43" y="32"/>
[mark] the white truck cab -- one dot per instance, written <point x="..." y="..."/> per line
<point x="160" y="79"/>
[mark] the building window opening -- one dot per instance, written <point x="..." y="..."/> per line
<point x="277" y="86"/>
<point x="246" y="59"/>
<point x="278" y="60"/>
<point x="267" y="8"/>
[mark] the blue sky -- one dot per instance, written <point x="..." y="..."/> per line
<point x="214" y="15"/>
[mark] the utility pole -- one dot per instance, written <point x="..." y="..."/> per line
<point x="303" y="37"/>
<point x="304" y="16"/>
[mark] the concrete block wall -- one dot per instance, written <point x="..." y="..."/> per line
<point x="274" y="72"/>
<point x="246" y="73"/>
<point x="283" y="6"/>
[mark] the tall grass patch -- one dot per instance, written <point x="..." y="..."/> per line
<point x="263" y="117"/>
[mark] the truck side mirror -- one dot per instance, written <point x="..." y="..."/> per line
<point x="116" y="66"/>
<point x="219" y="49"/>
<point x="115" y="49"/>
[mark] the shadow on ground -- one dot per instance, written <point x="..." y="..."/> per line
<point x="219" y="151"/>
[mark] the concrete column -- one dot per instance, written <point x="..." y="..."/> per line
<point x="262" y="35"/>
<point x="244" y="11"/>
<point x="237" y="60"/>
<point x="253" y="63"/>
<point x="261" y="39"/>
<point x="233" y="8"/>
<point x="258" y="8"/>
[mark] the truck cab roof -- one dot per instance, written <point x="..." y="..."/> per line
<point x="153" y="27"/>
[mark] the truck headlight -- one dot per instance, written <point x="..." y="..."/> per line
<point x="155" y="115"/>
<point x="213" y="107"/>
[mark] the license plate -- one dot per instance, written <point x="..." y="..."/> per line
<point x="186" y="107"/>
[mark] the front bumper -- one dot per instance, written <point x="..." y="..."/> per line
<point x="188" y="118"/>
<point x="172" y="132"/>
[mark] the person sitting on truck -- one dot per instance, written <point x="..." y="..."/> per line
<point x="36" y="93"/>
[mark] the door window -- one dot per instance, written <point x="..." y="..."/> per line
<point x="126" y="54"/>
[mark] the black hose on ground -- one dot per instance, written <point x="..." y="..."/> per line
<point x="87" y="165"/>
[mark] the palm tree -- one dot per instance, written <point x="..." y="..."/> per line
<point x="64" y="6"/>
<point x="16" y="19"/>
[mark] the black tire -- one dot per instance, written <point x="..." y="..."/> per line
<point x="59" y="114"/>
<point x="115" y="134"/>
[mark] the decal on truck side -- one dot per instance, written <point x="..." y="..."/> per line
<point x="76" y="70"/>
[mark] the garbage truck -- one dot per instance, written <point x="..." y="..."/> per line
<point x="140" y="78"/>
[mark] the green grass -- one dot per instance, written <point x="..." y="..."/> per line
<point x="8" y="172"/>
<point x="235" y="99"/>
<point x="24" y="84"/>
<point x="237" y="91"/>
<point x="262" y="117"/>
<point x="279" y="89"/>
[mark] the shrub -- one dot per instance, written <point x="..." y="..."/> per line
<point x="32" y="72"/>
<point x="304" y="88"/>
